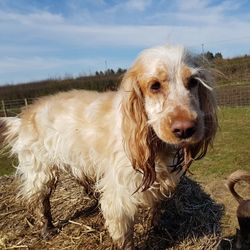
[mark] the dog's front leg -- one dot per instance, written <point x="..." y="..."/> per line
<point x="118" y="212"/>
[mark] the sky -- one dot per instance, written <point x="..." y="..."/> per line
<point x="41" y="39"/>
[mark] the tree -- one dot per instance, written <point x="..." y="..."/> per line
<point x="109" y="72"/>
<point x="120" y="71"/>
<point x="218" y="55"/>
<point x="209" y="55"/>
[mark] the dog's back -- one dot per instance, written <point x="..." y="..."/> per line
<point x="55" y="132"/>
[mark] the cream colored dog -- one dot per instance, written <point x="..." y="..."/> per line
<point x="127" y="142"/>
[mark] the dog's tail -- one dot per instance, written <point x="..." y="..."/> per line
<point x="9" y="130"/>
<point x="239" y="175"/>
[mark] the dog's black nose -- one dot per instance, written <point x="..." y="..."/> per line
<point x="183" y="129"/>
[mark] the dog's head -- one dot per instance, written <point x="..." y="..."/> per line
<point x="166" y="99"/>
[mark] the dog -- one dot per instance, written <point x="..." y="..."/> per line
<point x="243" y="210"/>
<point x="134" y="143"/>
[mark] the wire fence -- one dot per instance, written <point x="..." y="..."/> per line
<point x="13" y="107"/>
<point x="237" y="95"/>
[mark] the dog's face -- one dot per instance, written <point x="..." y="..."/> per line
<point x="166" y="99"/>
<point x="169" y="87"/>
<point x="172" y="103"/>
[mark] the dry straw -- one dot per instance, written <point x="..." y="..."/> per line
<point x="189" y="220"/>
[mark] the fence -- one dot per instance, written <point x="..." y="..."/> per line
<point x="233" y="95"/>
<point x="227" y="95"/>
<point x="13" y="107"/>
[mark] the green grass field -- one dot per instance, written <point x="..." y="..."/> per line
<point x="6" y="165"/>
<point x="230" y="151"/>
<point x="231" y="146"/>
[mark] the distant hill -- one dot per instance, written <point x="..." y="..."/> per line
<point x="232" y="71"/>
<point x="51" y="86"/>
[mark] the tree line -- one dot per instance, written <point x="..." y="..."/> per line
<point x="98" y="82"/>
<point x="210" y="56"/>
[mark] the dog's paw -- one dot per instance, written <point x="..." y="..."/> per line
<point x="48" y="233"/>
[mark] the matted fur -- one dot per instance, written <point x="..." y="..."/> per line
<point x="125" y="141"/>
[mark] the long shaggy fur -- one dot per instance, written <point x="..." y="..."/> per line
<point x="127" y="142"/>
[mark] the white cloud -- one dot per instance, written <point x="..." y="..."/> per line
<point x="194" y="20"/>
<point x="207" y="6"/>
<point x="40" y="17"/>
<point x="129" y="6"/>
<point x="139" y="5"/>
<point x="191" y="5"/>
<point x="58" y="30"/>
<point x="12" y="64"/>
<point x="40" y="39"/>
<point x="59" y="33"/>
<point x="39" y="68"/>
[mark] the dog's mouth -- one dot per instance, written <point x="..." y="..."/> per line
<point x="184" y="143"/>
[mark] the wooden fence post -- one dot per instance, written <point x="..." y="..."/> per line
<point x="25" y="101"/>
<point x="4" y="109"/>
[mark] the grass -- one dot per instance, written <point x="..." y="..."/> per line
<point x="6" y="165"/>
<point x="231" y="146"/>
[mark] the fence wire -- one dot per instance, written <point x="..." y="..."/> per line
<point x="13" y="107"/>
<point x="237" y="95"/>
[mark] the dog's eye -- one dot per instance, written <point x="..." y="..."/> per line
<point x="192" y="83"/>
<point x="155" y="87"/>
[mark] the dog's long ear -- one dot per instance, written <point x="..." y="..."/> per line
<point x="209" y="108"/>
<point x="137" y="134"/>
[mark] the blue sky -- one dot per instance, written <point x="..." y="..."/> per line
<point x="53" y="38"/>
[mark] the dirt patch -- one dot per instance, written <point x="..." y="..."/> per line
<point x="191" y="219"/>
